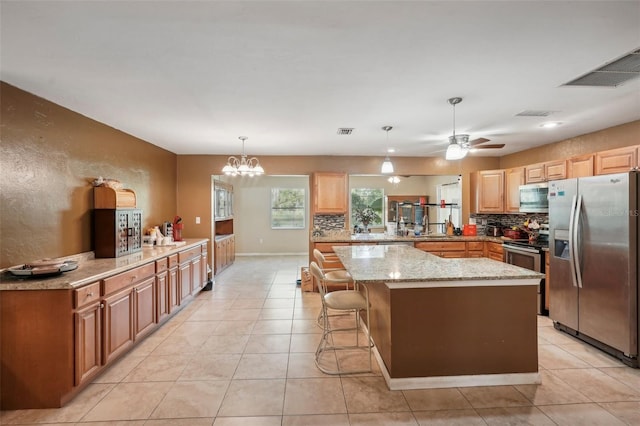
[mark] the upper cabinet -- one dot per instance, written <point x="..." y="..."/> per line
<point x="580" y="166"/>
<point x="542" y="172"/>
<point x="223" y="200"/>
<point x="330" y="193"/>
<point x="616" y="160"/>
<point x="487" y="191"/>
<point x="513" y="179"/>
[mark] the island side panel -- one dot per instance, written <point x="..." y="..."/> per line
<point x="36" y="341"/>
<point x="380" y="318"/>
<point x="463" y="331"/>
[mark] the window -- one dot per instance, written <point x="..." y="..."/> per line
<point x="362" y="198"/>
<point x="287" y="208"/>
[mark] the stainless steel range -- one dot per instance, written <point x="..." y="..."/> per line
<point x="529" y="256"/>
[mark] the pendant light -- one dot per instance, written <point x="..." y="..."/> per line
<point x="243" y="167"/>
<point x="387" y="165"/>
<point x="457" y="143"/>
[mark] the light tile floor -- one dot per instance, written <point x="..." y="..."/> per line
<point x="242" y="354"/>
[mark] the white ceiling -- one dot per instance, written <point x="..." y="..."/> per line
<point x="193" y="76"/>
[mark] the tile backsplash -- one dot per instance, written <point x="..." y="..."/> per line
<point x="328" y="222"/>
<point x="505" y="220"/>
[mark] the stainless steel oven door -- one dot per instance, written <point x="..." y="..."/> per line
<point x="523" y="257"/>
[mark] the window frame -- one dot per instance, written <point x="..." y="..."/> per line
<point x="381" y="212"/>
<point x="276" y="190"/>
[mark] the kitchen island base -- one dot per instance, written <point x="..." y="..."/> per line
<point x="455" y="334"/>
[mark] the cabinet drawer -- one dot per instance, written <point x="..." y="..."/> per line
<point x="441" y="246"/>
<point x="496" y="256"/>
<point x="475" y="253"/>
<point x="452" y="254"/>
<point x="85" y="295"/>
<point x="187" y="255"/>
<point x="327" y="247"/>
<point x="125" y="279"/>
<point x="161" y="265"/>
<point x="475" y="246"/>
<point x="173" y="261"/>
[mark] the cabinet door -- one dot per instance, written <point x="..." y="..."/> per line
<point x="174" y="291"/>
<point x="118" y="324"/>
<point x="330" y="192"/>
<point x="491" y="191"/>
<point x="162" y="296"/>
<point x="580" y="166"/>
<point x="232" y="249"/>
<point x="513" y="179"/>
<point x="619" y="160"/>
<point x="145" y="307"/>
<point x="535" y="173"/>
<point x="555" y="170"/>
<point x="203" y="268"/>
<point x="184" y="281"/>
<point x="88" y="335"/>
<point x="196" y="275"/>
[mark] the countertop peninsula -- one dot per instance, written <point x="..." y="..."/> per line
<point x="91" y="269"/>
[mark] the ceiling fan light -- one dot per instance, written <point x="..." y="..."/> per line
<point x="387" y="166"/>
<point x="455" y="152"/>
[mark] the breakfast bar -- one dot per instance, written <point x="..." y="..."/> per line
<point x="440" y="322"/>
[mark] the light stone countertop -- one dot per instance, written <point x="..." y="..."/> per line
<point x="346" y="237"/>
<point x="91" y="269"/>
<point x="404" y="264"/>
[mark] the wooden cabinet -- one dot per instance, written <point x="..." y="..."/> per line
<point x="172" y="276"/>
<point x="494" y="251"/>
<point x="449" y="249"/>
<point x="616" y="160"/>
<point x="488" y="191"/>
<point x="144" y="307"/>
<point x="513" y="179"/>
<point x="190" y="279"/>
<point x="162" y="290"/>
<point x="224" y="252"/>
<point x="475" y="249"/>
<point x="223" y="200"/>
<point x="580" y="166"/>
<point x="330" y="193"/>
<point x="118" y="324"/>
<point x="117" y="232"/>
<point x="88" y="332"/>
<point x="542" y="172"/>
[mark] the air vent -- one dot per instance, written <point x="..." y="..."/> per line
<point x="611" y="74"/>
<point x="345" y="130"/>
<point x="534" y="113"/>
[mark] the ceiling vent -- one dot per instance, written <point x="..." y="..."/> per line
<point x="534" y="113"/>
<point x="611" y="74"/>
<point x="345" y="130"/>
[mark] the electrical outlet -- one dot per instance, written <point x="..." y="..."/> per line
<point x="197" y="220"/>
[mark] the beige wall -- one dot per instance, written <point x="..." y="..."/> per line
<point x="614" y="137"/>
<point x="48" y="157"/>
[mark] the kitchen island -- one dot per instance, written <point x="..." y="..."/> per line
<point x="440" y="322"/>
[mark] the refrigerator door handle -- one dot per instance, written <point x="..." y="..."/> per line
<point x="572" y="264"/>
<point x="576" y="249"/>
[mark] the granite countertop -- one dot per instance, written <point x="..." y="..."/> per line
<point x="342" y="237"/>
<point x="404" y="264"/>
<point x="91" y="269"/>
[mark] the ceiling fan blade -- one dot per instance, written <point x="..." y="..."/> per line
<point x="478" y="141"/>
<point x="490" y="146"/>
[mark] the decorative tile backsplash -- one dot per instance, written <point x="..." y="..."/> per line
<point x="328" y="222"/>
<point x="505" y="220"/>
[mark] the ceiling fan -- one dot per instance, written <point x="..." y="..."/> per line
<point x="460" y="145"/>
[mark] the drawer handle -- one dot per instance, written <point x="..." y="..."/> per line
<point x="134" y="277"/>
<point x="89" y="294"/>
<point x="102" y="306"/>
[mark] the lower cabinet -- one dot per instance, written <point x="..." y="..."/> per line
<point x="88" y="341"/>
<point x="144" y="307"/>
<point x="494" y="251"/>
<point x="449" y="249"/>
<point x="224" y="252"/>
<point x="118" y="324"/>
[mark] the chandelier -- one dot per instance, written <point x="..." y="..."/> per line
<point x="243" y="167"/>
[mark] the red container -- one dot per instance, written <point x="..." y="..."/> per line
<point x="177" y="231"/>
<point x="469" y="230"/>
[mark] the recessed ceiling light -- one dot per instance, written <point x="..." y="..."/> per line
<point x="391" y="150"/>
<point x="550" y="124"/>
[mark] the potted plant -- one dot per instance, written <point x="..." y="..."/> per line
<point x="366" y="216"/>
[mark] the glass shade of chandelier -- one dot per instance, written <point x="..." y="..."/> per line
<point x="387" y="165"/>
<point x="243" y="166"/>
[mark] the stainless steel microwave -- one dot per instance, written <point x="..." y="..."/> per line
<point x="534" y="198"/>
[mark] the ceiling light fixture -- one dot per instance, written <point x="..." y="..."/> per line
<point x="243" y="167"/>
<point x="550" y="124"/>
<point x="394" y="179"/>
<point x="387" y="165"/>
<point x="457" y="143"/>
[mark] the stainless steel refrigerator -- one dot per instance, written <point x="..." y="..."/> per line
<point x="593" y="227"/>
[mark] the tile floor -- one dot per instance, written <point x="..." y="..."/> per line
<point x="242" y="354"/>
